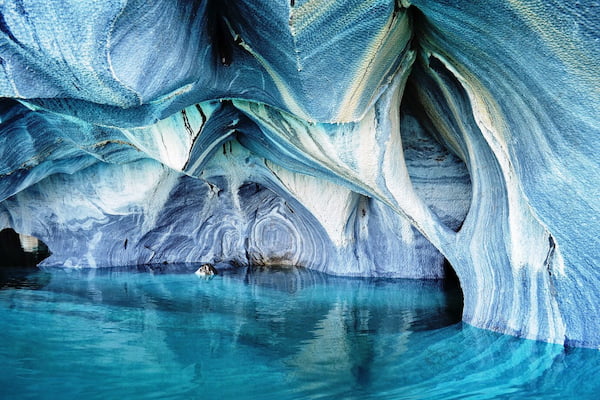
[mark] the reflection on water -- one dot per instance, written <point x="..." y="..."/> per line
<point x="23" y="278"/>
<point x="162" y="332"/>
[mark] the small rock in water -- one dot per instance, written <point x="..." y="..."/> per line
<point x="206" y="270"/>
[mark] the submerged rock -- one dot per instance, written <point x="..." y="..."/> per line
<point x="362" y="138"/>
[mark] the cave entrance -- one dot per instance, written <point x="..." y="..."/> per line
<point x="17" y="250"/>
<point x="453" y="291"/>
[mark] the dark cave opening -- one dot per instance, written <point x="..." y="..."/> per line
<point x="18" y="250"/>
<point x="453" y="290"/>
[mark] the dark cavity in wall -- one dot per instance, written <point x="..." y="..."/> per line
<point x="454" y="294"/>
<point x="20" y="250"/>
<point x="19" y="256"/>
<point x="218" y="20"/>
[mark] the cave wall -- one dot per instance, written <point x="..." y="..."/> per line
<point x="365" y="138"/>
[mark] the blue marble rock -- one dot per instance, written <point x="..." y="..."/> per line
<point x="360" y="138"/>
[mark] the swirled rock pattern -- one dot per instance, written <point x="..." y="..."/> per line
<point x="365" y="138"/>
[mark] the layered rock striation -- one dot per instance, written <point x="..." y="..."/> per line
<point x="363" y="138"/>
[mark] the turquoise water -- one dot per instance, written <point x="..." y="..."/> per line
<point x="259" y="334"/>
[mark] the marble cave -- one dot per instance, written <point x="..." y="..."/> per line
<point x="364" y="138"/>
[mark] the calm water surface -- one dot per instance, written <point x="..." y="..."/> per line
<point x="256" y="334"/>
